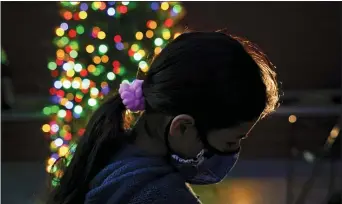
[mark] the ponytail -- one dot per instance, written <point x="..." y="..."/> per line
<point x="103" y="137"/>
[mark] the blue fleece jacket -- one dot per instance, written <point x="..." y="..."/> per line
<point x="132" y="178"/>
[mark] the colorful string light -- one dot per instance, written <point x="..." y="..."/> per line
<point x="90" y="57"/>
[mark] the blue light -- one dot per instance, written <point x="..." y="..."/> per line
<point x="154" y="6"/>
<point x="119" y="46"/>
<point x="111" y="3"/>
<point x="84" y="7"/>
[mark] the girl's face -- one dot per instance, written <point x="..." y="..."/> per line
<point x="228" y="140"/>
<point x="184" y="137"/>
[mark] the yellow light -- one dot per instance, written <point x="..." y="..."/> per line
<point x="142" y="53"/>
<point x="125" y="45"/>
<point x="59" y="32"/>
<point x="60" y="54"/>
<point x="164" y="6"/>
<point x="63" y="150"/>
<point x="46" y="128"/>
<point x="104" y="58"/>
<point x="70" y="96"/>
<point x="91" y="68"/>
<point x="53" y="145"/>
<point x="97" y="60"/>
<point x="157" y="50"/>
<point x="135" y="47"/>
<point x="97" y="4"/>
<point x="139" y="35"/>
<point x="149" y="34"/>
<point x="334" y="132"/>
<point x="82" y="15"/>
<point x="51" y="161"/>
<point x="90" y="48"/>
<point x="152" y="25"/>
<point x="176" y="35"/>
<point x="64" y="101"/>
<point x="59" y="173"/>
<point x="70" y="73"/>
<point x="48" y="169"/>
<point x="292" y="119"/>
<point x="101" y="35"/>
<point x="166" y="34"/>
<point x="143" y="66"/>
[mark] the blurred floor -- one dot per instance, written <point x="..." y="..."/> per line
<point x="251" y="182"/>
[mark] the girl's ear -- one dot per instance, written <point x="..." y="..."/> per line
<point x="180" y="124"/>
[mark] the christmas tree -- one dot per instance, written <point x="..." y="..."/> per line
<point x="99" y="45"/>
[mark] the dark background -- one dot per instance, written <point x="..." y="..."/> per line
<point x="303" y="39"/>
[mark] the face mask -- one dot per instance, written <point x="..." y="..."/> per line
<point x="206" y="168"/>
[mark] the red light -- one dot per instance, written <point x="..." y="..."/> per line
<point x="116" y="70"/>
<point x="78" y="100"/>
<point x="84" y="73"/>
<point x="67" y="15"/>
<point x="52" y="91"/>
<point x="60" y="93"/>
<point x="59" y="62"/>
<point x="168" y="22"/>
<point x="116" y="63"/>
<point x="148" y="23"/>
<point x="67" y="136"/>
<point x="54" y="73"/>
<point x="67" y="49"/>
<point x="117" y="38"/>
<point x="123" y="9"/>
<point x="92" y="84"/>
<point x="81" y="131"/>
<point x="76" y="16"/>
<point x="72" y="33"/>
<point x="130" y="52"/>
<point x="85" y="91"/>
<point x="103" y="6"/>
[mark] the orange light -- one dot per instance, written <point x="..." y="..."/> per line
<point x="292" y="119"/>
<point x="149" y="34"/>
<point x="152" y="24"/>
<point x="97" y="60"/>
<point x="104" y="58"/>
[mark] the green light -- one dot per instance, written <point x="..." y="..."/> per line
<point x="103" y="49"/>
<point x="54" y="109"/>
<point x="96" y="73"/>
<point x="73" y="54"/>
<point x="65" y="40"/>
<point x="158" y="41"/>
<point x="111" y="76"/>
<point x="125" y="3"/>
<point x="47" y="110"/>
<point x="177" y="9"/>
<point x="78" y="109"/>
<point x="80" y="29"/>
<point x="52" y="65"/>
<point x="122" y="71"/>
<point x="101" y="68"/>
<point x="92" y="102"/>
<point x="61" y="113"/>
<point x="74" y="45"/>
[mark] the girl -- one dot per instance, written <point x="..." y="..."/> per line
<point x="203" y="94"/>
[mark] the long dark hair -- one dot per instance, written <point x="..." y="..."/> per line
<point x="203" y="74"/>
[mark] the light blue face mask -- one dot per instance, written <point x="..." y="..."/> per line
<point x="206" y="168"/>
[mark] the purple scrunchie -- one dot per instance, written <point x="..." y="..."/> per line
<point x="132" y="96"/>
